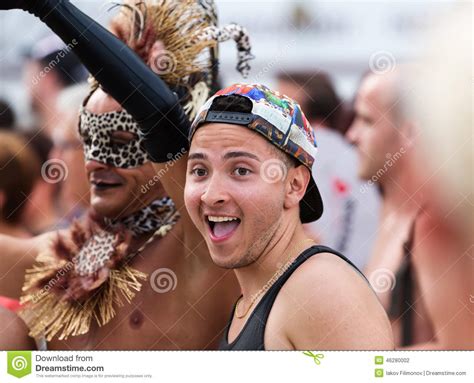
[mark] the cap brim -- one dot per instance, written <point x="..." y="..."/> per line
<point x="311" y="206"/>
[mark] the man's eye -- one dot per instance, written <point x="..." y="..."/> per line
<point x="241" y="172"/>
<point x="83" y="132"/>
<point x="118" y="141"/>
<point x="199" y="172"/>
<point x="122" y="138"/>
<point x="366" y="120"/>
<point x="84" y="137"/>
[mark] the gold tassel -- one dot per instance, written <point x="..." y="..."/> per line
<point x="47" y="315"/>
<point x="199" y="94"/>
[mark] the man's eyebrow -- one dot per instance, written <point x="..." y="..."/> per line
<point x="240" y="154"/>
<point x="197" y="156"/>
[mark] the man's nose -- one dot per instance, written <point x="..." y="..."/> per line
<point x="352" y="134"/>
<point x="216" y="192"/>
<point x="93" y="165"/>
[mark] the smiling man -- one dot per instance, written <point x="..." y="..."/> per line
<point x="249" y="190"/>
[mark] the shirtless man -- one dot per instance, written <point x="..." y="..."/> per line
<point x="186" y="300"/>
<point x="73" y="198"/>
<point x="383" y="135"/>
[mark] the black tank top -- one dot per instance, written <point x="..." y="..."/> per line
<point x="402" y="297"/>
<point x="252" y="335"/>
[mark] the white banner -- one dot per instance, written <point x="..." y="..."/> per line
<point x="238" y="367"/>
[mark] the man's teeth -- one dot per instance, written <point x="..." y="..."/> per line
<point x="221" y="219"/>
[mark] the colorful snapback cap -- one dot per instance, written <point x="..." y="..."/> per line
<point x="281" y="121"/>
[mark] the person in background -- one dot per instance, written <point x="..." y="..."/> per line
<point x="443" y="254"/>
<point x="383" y="135"/>
<point x="51" y="66"/>
<point x="40" y="210"/>
<point x="7" y="116"/>
<point x="19" y="167"/>
<point x="73" y="199"/>
<point x="61" y="191"/>
<point x="349" y="221"/>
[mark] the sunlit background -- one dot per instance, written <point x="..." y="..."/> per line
<point x="340" y="37"/>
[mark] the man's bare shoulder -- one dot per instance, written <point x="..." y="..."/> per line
<point x="14" y="334"/>
<point x="333" y="307"/>
<point x="326" y="273"/>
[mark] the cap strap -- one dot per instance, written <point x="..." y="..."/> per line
<point x="236" y="118"/>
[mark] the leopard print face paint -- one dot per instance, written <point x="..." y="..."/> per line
<point x="112" y="138"/>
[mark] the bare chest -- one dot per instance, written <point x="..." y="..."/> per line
<point x="183" y="304"/>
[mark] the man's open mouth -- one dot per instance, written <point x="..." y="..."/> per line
<point x="222" y="227"/>
<point x="102" y="185"/>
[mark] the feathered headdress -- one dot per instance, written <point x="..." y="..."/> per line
<point x="179" y="40"/>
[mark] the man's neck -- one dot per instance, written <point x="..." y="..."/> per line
<point x="285" y="246"/>
<point x="398" y="191"/>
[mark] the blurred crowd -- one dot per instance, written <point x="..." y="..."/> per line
<point x="394" y="169"/>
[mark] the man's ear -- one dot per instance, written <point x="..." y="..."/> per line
<point x="296" y="184"/>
